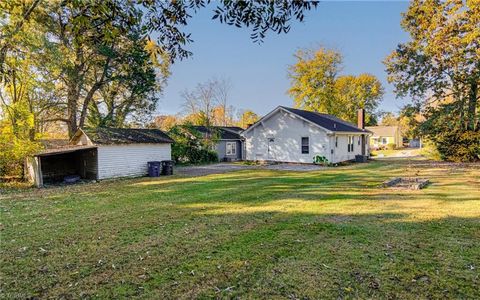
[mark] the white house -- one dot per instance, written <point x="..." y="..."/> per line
<point x="100" y="153"/>
<point x="293" y="135"/>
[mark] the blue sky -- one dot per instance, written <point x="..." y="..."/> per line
<point x="364" y="32"/>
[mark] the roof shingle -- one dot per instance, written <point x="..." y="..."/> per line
<point x="326" y="121"/>
<point x="225" y="133"/>
<point x="108" y="135"/>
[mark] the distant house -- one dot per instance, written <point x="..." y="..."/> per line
<point x="229" y="142"/>
<point x="100" y="153"/>
<point x="293" y="135"/>
<point x="384" y="135"/>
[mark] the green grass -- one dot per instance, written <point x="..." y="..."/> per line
<point x="249" y="234"/>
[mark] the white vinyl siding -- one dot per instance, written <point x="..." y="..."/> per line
<point x="129" y="159"/>
<point x="342" y="153"/>
<point x="279" y="138"/>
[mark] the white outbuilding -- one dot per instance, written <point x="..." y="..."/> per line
<point x="100" y="153"/>
<point x="299" y="136"/>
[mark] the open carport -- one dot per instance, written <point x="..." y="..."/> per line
<point x="52" y="166"/>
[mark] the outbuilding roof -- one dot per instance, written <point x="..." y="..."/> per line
<point x="326" y="121"/>
<point x="224" y="132"/>
<point x="108" y="135"/>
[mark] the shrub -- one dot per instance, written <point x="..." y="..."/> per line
<point x="320" y="160"/>
<point x="429" y="150"/>
<point x="190" y="146"/>
<point x="459" y="146"/>
<point x="391" y="146"/>
<point x="13" y="152"/>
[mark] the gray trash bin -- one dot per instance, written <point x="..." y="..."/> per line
<point x="154" y="168"/>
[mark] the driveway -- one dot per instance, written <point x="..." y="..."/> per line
<point x="228" y="167"/>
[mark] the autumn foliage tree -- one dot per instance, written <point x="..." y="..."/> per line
<point x="85" y="48"/>
<point x="440" y="69"/>
<point x="316" y="85"/>
<point x="96" y="62"/>
<point x="246" y="118"/>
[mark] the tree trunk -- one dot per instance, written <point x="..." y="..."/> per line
<point x="86" y="103"/>
<point x="72" y="106"/>
<point x="472" y="105"/>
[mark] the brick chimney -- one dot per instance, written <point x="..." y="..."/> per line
<point x="361" y="118"/>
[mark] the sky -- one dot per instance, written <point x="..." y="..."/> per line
<point x="364" y="32"/>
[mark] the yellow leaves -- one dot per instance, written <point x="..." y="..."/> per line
<point x="151" y="46"/>
<point x="315" y="85"/>
<point x="158" y="56"/>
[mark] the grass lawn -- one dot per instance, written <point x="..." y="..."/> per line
<point x="250" y="234"/>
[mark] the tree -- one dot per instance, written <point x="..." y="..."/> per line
<point x="247" y="117"/>
<point x="206" y="104"/>
<point x="165" y="122"/>
<point x="354" y="92"/>
<point x="201" y="102"/>
<point x="409" y="121"/>
<point x="440" y="67"/>
<point x="317" y="86"/>
<point x="222" y="90"/>
<point x="313" y="79"/>
<point x="389" y="119"/>
<point x="83" y="48"/>
<point x="134" y="94"/>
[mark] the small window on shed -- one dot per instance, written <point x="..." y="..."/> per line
<point x="305" y="145"/>
<point x="336" y="141"/>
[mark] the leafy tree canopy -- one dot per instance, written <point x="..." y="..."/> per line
<point x="107" y="60"/>
<point x="316" y="85"/>
<point x="440" y="69"/>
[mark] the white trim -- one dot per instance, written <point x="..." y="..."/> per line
<point x="308" y="144"/>
<point x="78" y="134"/>
<point x="230" y="140"/>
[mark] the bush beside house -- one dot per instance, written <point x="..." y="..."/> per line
<point x="190" y="146"/>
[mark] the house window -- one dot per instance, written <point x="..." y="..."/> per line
<point x="384" y="141"/>
<point x="336" y="141"/>
<point x="350" y="143"/>
<point x="359" y="138"/>
<point x="305" y="145"/>
<point x="231" y="148"/>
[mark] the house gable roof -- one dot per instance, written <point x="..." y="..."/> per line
<point x="235" y="129"/>
<point x="225" y="133"/>
<point x="383" y="130"/>
<point x="325" y="121"/>
<point x="108" y="135"/>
